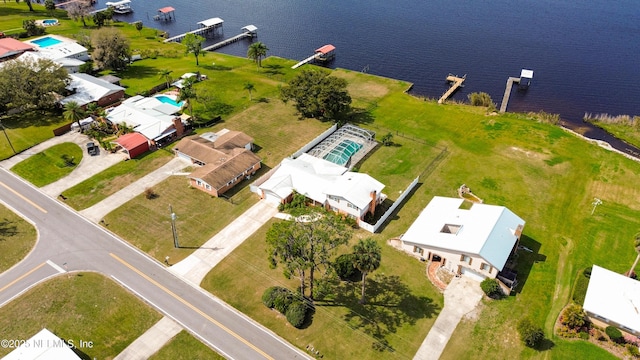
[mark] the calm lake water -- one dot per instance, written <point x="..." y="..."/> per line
<point x="584" y="54"/>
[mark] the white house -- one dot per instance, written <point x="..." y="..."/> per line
<point x="154" y="119"/>
<point x="476" y="242"/>
<point x="43" y="345"/>
<point x="326" y="184"/>
<point x="613" y="299"/>
<point x="88" y="89"/>
<point x="57" y="47"/>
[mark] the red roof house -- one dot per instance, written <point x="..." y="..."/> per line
<point x="134" y="144"/>
<point x="10" y="47"/>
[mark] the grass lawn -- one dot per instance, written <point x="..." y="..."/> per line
<point x="113" y="179"/>
<point x="49" y="165"/>
<point x="17" y="238"/>
<point x="27" y="129"/>
<point x="401" y="303"/>
<point x="81" y="306"/>
<point x="146" y="223"/>
<point x="185" y="346"/>
<point x="626" y="132"/>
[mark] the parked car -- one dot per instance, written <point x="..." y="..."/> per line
<point x="93" y="149"/>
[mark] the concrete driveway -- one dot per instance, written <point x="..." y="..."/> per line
<point x="461" y="297"/>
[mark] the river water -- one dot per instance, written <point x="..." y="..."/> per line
<point x="584" y="54"/>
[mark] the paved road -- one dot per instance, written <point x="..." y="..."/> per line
<point x="69" y="242"/>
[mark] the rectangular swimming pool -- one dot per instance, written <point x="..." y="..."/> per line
<point x="342" y="153"/>
<point x="46" y="42"/>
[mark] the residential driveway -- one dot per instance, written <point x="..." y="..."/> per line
<point x="461" y="296"/>
<point x="88" y="167"/>
<point x="99" y="210"/>
<point x="197" y="265"/>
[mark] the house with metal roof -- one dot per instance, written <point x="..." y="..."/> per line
<point x="613" y="299"/>
<point x="475" y="241"/>
<point x="88" y="89"/>
<point x="10" y="47"/>
<point x="324" y="183"/>
<point x="56" y="47"/>
<point x="224" y="159"/>
<point x="156" y="120"/>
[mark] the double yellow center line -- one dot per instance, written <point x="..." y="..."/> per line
<point x="23" y="197"/>
<point x="192" y="307"/>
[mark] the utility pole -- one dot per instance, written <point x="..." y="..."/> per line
<point x="595" y="204"/>
<point x="7" y="136"/>
<point x="173" y="228"/>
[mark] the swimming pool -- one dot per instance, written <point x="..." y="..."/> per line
<point x="167" y="100"/>
<point x="46" y="41"/>
<point x="342" y="153"/>
<point x="50" y="22"/>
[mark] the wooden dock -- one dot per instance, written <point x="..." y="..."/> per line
<point x="248" y="31"/>
<point x="507" y="92"/>
<point x="456" y="83"/>
<point x="324" y="53"/>
<point x="206" y="27"/>
<point x="307" y="60"/>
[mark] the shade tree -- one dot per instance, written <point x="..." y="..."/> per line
<point x="317" y="94"/>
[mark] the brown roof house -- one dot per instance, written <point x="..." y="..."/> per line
<point x="225" y="159"/>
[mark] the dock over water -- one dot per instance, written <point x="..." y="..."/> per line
<point x="325" y="53"/>
<point x="507" y="92"/>
<point x="206" y="27"/>
<point x="456" y="83"/>
<point x="248" y="31"/>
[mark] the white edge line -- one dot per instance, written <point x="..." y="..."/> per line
<point x="28" y="288"/>
<point x="165" y="313"/>
<point x="35" y="245"/>
<point x="55" y="266"/>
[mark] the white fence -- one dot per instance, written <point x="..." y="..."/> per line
<point x="373" y="228"/>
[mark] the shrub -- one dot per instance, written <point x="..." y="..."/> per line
<point x="583" y="335"/>
<point x="614" y="334"/>
<point x="271" y="295"/>
<point x="343" y="265"/>
<point x="282" y="300"/>
<point x="491" y="288"/>
<point x="150" y="194"/>
<point x="297" y="313"/>
<point x="481" y="99"/>
<point x="530" y="334"/>
<point x="633" y="350"/>
<point x="573" y="316"/>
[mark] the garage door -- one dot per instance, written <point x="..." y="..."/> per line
<point x="472" y="274"/>
<point x="271" y="197"/>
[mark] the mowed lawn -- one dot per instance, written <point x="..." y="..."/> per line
<point x="547" y="176"/>
<point x="49" y="165"/>
<point x="185" y="346"/>
<point x="115" y="178"/>
<point x="79" y="306"/>
<point x="17" y="238"/>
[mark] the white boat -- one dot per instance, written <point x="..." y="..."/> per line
<point x="120" y="7"/>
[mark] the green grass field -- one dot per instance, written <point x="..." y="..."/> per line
<point x="185" y="346"/>
<point x="81" y="306"/>
<point x="50" y="165"/>
<point x="113" y="179"/>
<point x="17" y="238"/>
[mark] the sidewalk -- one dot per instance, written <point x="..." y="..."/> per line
<point x="197" y="265"/>
<point x="99" y="210"/>
<point x="72" y="136"/>
<point x="151" y="341"/>
<point x="461" y="297"/>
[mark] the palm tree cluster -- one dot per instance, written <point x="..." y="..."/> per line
<point x="256" y="52"/>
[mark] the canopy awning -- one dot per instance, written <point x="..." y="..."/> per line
<point x="166" y="9"/>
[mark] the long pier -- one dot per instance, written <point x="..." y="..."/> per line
<point x="307" y="60"/>
<point x="507" y="92"/>
<point x="456" y="83"/>
<point x="206" y="26"/>
<point x="248" y="31"/>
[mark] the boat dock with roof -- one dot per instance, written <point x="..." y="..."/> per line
<point x="325" y="53"/>
<point x="248" y="31"/>
<point x="523" y="83"/>
<point x="206" y="28"/>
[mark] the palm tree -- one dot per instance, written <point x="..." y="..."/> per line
<point x="187" y="93"/>
<point x="166" y="75"/>
<point x="256" y="51"/>
<point x="366" y="258"/>
<point x="249" y="87"/>
<point x="74" y="112"/>
<point x="636" y="244"/>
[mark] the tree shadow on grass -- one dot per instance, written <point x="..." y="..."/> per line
<point x="30" y="118"/>
<point x="138" y="71"/>
<point x="360" y="116"/>
<point x="7" y="229"/>
<point x="273" y="69"/>
<point x="390" y="306"/>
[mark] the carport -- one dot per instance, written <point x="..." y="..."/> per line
<point x="134" y="144"/>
